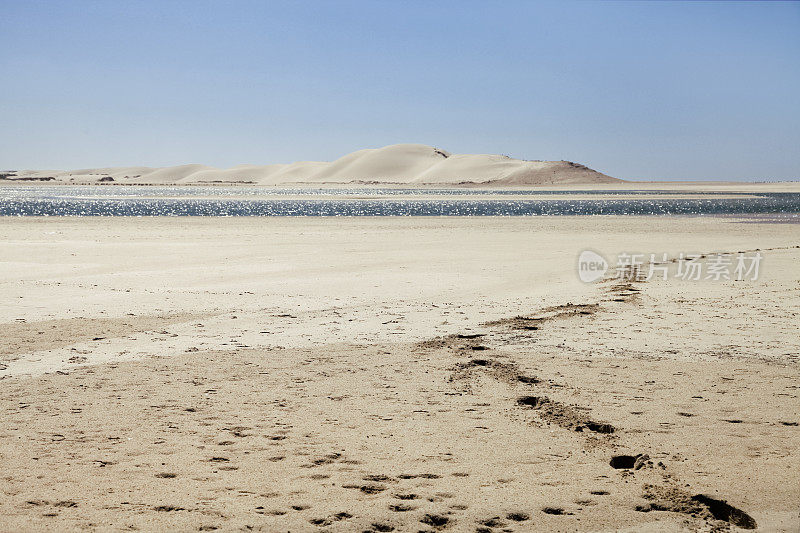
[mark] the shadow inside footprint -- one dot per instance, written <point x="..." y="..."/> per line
<point x="435" y="520"/>
<point x="559" y="511"/>
<point x="168" y="508"/>
<point x="367" y="489"/>
<point x="721" y="510"/>
<point x="623" y="461"/>
<point x="495" y="521"/>
<point x="401" y="507"/>
<point x="377" y="477"/>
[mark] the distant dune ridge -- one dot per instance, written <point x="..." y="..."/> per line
<point x="409" y="164"/>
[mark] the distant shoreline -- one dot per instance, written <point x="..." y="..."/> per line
<point x="687" y="186"/>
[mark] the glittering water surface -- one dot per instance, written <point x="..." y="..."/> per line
<point x="260" y="201"/>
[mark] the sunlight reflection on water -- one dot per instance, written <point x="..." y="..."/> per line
<point x="233" y="201"/>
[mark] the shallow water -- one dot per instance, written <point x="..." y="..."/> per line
<point x="261" y="201"/>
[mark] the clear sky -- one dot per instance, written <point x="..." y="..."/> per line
<point x="667" y="90"/>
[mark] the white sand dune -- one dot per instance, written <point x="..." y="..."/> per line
<point x="294" y="173"/>
<point x="397" y="163"/>
<point x="502" y="169"/>
<point x="402" y="163"/>
<point x="235" y="174"/>
<point x="176" y="174"/>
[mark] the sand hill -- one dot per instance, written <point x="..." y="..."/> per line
<point x="409" y="164"/>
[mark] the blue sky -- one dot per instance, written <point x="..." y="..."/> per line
<point x="640" y="90"/>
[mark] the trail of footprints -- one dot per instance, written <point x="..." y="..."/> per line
<point x="409" y="498"/>
<point x="405" y="499"/>
<point x="430" y="507"/>
<point x="412" y="498"/>
<point x="661" y="497"/>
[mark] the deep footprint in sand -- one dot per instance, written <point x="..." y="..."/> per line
<point x="493" y="522"/>
<point x="435" y="520"/>
<point x="518" y="516"/>
<point x="507" y="372"/>
<point x="701" y="506"/>
<point x="563" y="415"/>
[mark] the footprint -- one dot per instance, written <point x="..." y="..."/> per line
<point x="330" y="519"/>
<point x="565" y="416"/>
<point x="722" y="510"/>
<point x="518" y="516"/>
<point x="559" y="511"/>
<point x="666" y="498"/>
<point x="378" y="477"/>
<point x="326" y="460"/>
<point x="623" y="461"/>
<point x="435" y="520"/>
<point x="167" y="508"/>
<point x="495" y="521"/>
<point x="367" y="489"/>
<point x="401" y="507"/>
<point x="66" y="503"/>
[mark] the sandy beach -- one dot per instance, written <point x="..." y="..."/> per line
<point x="400" y="267"/>
<point x="393" y="374"/>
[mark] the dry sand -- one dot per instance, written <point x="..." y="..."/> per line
<point x="370" y="374"/>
